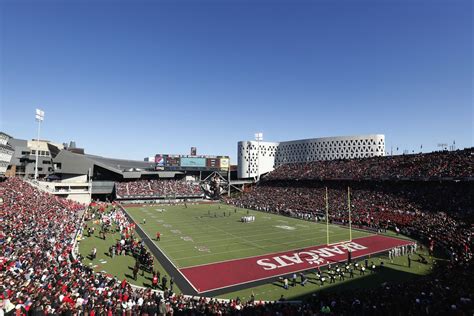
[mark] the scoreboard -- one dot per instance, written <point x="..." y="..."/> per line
<point x="186" y="162"/>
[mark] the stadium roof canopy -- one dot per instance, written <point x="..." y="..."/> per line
<point x="73" y="163"/>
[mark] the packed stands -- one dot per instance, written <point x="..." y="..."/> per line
<point x="443" y="164"/>
<point x="39" y="275"/>
<point x="368" y="197"/>
<point x="411" y="199"/>
<point x="374" y="205"/>
<point x="157" y="188"/>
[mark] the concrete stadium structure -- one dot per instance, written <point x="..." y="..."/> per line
<point x="256" y="158"/>
<point x="69" y="172"/>
<point x="6" y="153"/>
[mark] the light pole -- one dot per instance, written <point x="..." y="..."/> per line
<point x="258" y="138"/>
<point x="90" y="185"/>
<point x="39" y="118"/>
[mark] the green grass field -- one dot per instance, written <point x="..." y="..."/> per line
<point x="201" y="234"/>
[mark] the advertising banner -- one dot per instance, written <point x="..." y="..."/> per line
<point x="213" y="162"/>
<point x="224" y="164"/>
<point x="160" y="160"/>
<point x="172" y="161"/>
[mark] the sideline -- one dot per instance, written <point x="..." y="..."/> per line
<point x="184" y="285"/>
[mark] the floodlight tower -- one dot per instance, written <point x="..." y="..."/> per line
<point x="39" y="118"/>
<point x="258" y="138"/>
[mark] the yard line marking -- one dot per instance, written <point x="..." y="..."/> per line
<point x="279" y="233"/>
<point x="260" y="240"/>
<point x="238" y="237"/>
<point x="234" y="250"/>
<point x="250" y="229"/>
<point x="275" y="217"/>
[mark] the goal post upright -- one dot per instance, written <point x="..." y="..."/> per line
<point x="349" y="209"/>
<point x="327" y="218"/>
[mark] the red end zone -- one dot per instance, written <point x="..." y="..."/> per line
<point x="223" y="274"/>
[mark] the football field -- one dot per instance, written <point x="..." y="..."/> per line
<point x="213" y="249"/>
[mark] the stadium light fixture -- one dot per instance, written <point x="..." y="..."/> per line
<point x="39" y="118"/>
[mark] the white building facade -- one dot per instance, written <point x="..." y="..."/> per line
<point x="273" y="154"/>
<point x="6" y="153"/>
<point x="251" y="162"/>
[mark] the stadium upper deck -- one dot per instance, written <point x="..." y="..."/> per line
<point x="447" y="165"/>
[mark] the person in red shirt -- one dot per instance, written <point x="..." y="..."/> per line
<point x="158" y="235"/>
<point x="155" y="281"/>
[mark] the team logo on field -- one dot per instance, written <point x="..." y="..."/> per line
<point x="186" y="238"/>
<point x="311" y="256"/>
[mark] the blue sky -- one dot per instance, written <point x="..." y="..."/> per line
<point x="128" y="79"/>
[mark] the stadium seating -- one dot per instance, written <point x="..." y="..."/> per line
<point x="156" y="188"/>
<point x="444" y="164"/>
<point x="39" y="275"/>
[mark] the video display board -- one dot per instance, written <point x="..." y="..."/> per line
<point x="185" y="162"/>
<point x="193" y="162"/>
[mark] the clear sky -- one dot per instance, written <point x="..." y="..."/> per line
<point x="128" y="79"/>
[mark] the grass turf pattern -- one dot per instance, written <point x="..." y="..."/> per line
<point x="201" y="234"/>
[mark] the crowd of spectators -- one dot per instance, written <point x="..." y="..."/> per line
<point x="439" y="214"/>
<point x="367" y="198"/>
<point x="114" y="220"/>
<point x="40" y="276"/>
<point x="377" y="205"/>
<point x="157" y="188"/>
<point x="451" y="164"/>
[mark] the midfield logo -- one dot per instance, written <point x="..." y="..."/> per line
<point x="313" y="256"/>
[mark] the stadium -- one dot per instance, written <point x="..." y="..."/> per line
<point x="188" y="158"/>
<point x="356" y="235"/>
